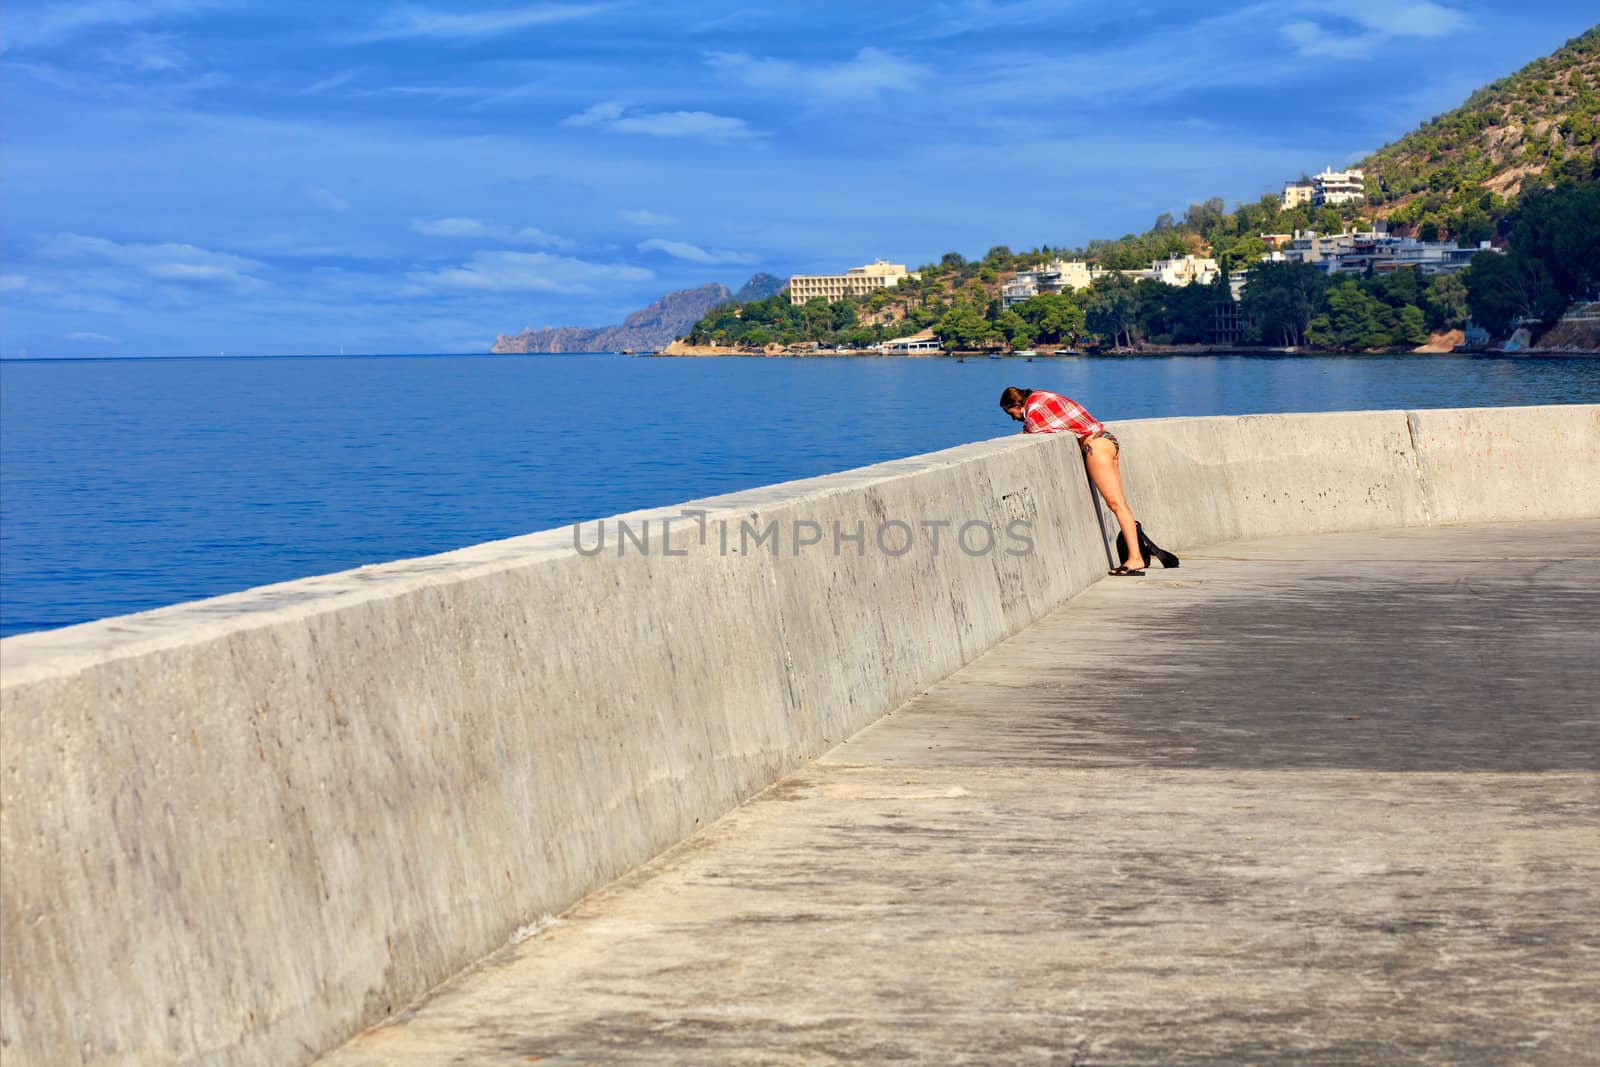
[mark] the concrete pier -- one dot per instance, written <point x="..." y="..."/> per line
<point x="240" y="831"/>
<point x="1319" y="800"/>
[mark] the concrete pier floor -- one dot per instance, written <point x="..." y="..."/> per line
<point x="1313" y="800"/>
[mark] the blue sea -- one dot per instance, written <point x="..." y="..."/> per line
<point x="130" y="484"/>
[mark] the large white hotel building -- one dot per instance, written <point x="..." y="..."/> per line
<point x="857" y="281"/>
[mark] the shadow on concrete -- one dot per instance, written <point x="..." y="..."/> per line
<point x="1392" y="666"/>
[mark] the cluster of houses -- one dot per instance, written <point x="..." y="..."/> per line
<point x="1361" y="251"/>
<point x="1356" y="251"/>
<point x="1062" y="275"/>
<point x="1350" y="252"/>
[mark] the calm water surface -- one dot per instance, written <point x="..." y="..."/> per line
<point x="130" y="484"/>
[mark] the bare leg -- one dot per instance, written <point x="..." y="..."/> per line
<point x="1106" y="474"/>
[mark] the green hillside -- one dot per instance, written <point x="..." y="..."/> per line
<point x="1458" y="173"/>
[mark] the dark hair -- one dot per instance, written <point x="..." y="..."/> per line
<point x="1013" y="397"/>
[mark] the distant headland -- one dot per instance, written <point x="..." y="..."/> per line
<point x="645" y="330"/>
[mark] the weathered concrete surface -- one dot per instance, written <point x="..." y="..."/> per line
<point x="1324" y="800"/>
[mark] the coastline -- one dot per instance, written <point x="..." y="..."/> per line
<point x="679" y="349"/>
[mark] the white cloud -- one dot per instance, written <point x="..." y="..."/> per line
<point x="532" y="235"/>
<point x="456" y="226"/>
<point x="327" y="199"/>
<point x="1381" y="23"/>
<point x="968" y="16"/>
<point x="694" y="253"/>
<point x="148" y="53"/>
<point x="1201" y="54"/>
<point x="646" y="218"/>
<point x="423" y="22"/>
<point x="332" y="81"/>
<point x="502" y="272"/>
<point x="168" y="262"/>
<point x="682" y="124"/>
<point x="116" y="75"/>
<point x="871" y="72"/>
<point x="1406" y="18"/>
<point x="617" y="117"/>
<point x="180" y="271"/>
<point x="450" y="227"/>
<point x="13" y="283"/>
<point x="607" y="111"/>
<point x="720" y="22"/>
<point x="94" y="338"/>
<point x="1310" y="39"/>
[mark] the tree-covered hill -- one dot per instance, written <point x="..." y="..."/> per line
<point x="1457" y="174"/>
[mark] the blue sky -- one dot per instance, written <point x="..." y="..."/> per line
<point x="183" y="177"/>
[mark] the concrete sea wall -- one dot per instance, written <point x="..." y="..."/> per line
<point x="238" y="830"/>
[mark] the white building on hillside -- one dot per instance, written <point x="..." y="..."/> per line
<point x="1179" y="270"/>
<point x="1338" y="187"/>
<point x="1062" y="275"/>
<point x="857" y="281"/>
<point x="1057" y="276"/>
<point x="1183" y="270"/>
<point x="1015" y="292"/>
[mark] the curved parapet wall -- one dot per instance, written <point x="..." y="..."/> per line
<point x="238" y="830"/>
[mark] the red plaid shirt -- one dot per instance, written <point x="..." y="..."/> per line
<point x="1045" y="412"/>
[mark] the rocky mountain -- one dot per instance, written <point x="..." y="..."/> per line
<point x="1459" y="172"/>
<point x="647" y="329"/>
<point x="759" y="287"/>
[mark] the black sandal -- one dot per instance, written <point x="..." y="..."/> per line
<point x="1126" y="571"/>
<point x="1150" y="548"/>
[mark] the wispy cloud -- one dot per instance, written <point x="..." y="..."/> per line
<point x="327" y="199"/>
<point x="403" y="22"/>
<point x="1379" y="24"/>
<point x="450" y="227"/>
<point x="13" y="283"/>
<point x="646" y="218"/>
<point x="694" y="253"/>
<point x="731" y="18"/>
<point x="332" y="81"/>
<point x="870" y="72"/>
<point x="457" y="226"/>
<point x="1241" y="47"/>
<point x="1405" y="18"/>
<point x="968" y="16"/>
<point x="166" y="262"/>
<point x="121" y="78"/>
<point x="527" y="272"/>
<point x="59" y="22"/>
<point x="147" y="53"/>
<point x="1203" y="53"/>
<point x="471" y="97"/>
<point x="89" y="336"/>
<point x="1311" y="39"/>
<point x="620" y="118"/>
